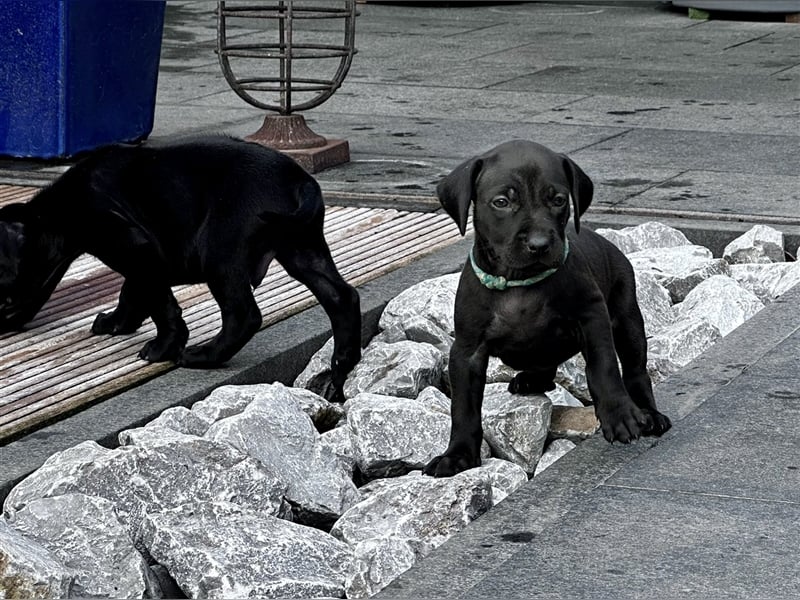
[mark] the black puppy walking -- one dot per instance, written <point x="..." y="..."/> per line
<point x="535" y="293"/>
<point x="212" y="210"/>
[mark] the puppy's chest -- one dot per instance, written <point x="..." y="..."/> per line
<point x="519" y="320"/>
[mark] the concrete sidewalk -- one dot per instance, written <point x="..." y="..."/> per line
<point x="692" y="123"/>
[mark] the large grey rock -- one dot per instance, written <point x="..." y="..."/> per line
<point x="760" y="244"/>
<point x="224" y="401"/>
<point x="720" y="301"/>
<point x="423" y="510"/>
<point x="318" y="370"/>
<point x="377" y="563"/>
<point x="169" y="471"/>
<point x="84" y="533"/>
<point x="392" y="435"/>
<point x="681" y="342"/>
<point x="679" y="269"/>
<point x="767" y="281"/>
<point x="340" y="442"/>
<point x="28" y="569"/>
<point x="515" y="426"/>
<point x="434" y="399"/>
<point x="555" y="450"/>
<point x="276" y="431"/>
<point x="503" y="475"/>
<point x="645" y="236"/>
<point x="654" y="301"/>
<point x="424" y="312"/>
<point x="402" y="369"/>
<point x="222" y="550"/>
<point x="182" y="420"/>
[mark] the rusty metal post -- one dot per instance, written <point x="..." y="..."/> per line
<point x="286" y="130"/>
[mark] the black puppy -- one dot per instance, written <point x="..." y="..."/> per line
<point x="535" y="294"/>
<point x="212" y="210"/>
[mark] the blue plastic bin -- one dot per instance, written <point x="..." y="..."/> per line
<point x="77" y="74"/>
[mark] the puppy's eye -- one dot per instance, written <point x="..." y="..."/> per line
<point x="559" y="200"/>
<point x="501" y="202"/>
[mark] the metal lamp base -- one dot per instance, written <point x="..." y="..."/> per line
<point x="290" y="134"/>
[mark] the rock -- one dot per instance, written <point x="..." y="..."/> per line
<point x="149" y="478"/>
<point x="276" y="431"/>
<point x="392" y="436"/>
<point x="572" y="376"/>
<point x="377" y="563"/>
<point x="645" y="236"/>
<point x="761" y="244"/>
<point x="340" y="442"/>
<point x="28" y="569"/>
<point x="317" y="373"/>
<point x="720" y="301"/>
<point x="424" y="312"/>
<point x="423" y="510"/>
<point x="83" y="532"/>
<point x="573" y="423"/>
<point x="503" y="475"/>
<point x="515" y="426"/>
<point x="679" y="269"/>
<point x="499" y="372"/>
<point x="561" y="396"/>
<point x="402" y="369"/>
<point x="555" y="450"/>
<point x="325" y="415"/>
<point x="767" y="281"/>
<point x="225" y="401"/>
<point x="654" y="301"/>
<point x="434" y="399"/>
<point x="182" y="420"/>
<point x="681" y="342"/>
<point x="223" y="550"/>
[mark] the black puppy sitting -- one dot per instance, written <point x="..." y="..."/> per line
<point x="212" y="210"/>
<point x="534" y="294"/>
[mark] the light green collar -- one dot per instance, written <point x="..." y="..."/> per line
<point x="500" y="283"/>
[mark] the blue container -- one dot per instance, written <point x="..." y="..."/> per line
<point x="77" y="74"/>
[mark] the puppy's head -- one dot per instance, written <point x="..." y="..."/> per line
<point x="521" y="194"/>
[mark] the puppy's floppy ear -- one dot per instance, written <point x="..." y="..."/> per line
<point x="581" y="189"/>
<point x="457" y="190"/>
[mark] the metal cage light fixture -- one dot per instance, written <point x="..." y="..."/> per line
<point x="286" y="130"/>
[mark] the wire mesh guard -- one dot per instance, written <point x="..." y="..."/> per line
<point x="300" y="54"/>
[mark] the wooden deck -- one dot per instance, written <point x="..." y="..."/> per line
<point x="56" y="365"/>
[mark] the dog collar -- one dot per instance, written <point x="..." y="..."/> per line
<point x="500" y="283"/>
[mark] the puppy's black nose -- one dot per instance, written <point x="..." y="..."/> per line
<point x="537" y="243"/>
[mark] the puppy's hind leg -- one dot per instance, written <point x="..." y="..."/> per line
<point x="312" y="265"/>
<point x="533" y="382"/>
<point x="127" y="317"/>
<point x="241" y="319"/>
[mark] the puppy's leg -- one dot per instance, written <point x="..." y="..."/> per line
<point x="241" y="319"/>
<point x="620" y="418"/>
<point x="631" y="346"/>
<point x="313" y="266"/>
<point x="127" y="317"/>
<point x="171" y="330"/>
<point x="468" y="380"/>
<point x="533" y="382"/>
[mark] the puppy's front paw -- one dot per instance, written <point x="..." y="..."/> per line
<point x="104" y="324"/>
<point x="624" y="424"/>
<point x="657" y="424"/>
<point x="161" y="349"/>
<point x="447" y="465"/>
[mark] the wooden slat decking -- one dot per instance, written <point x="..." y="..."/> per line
<point x="56" y="365"/>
